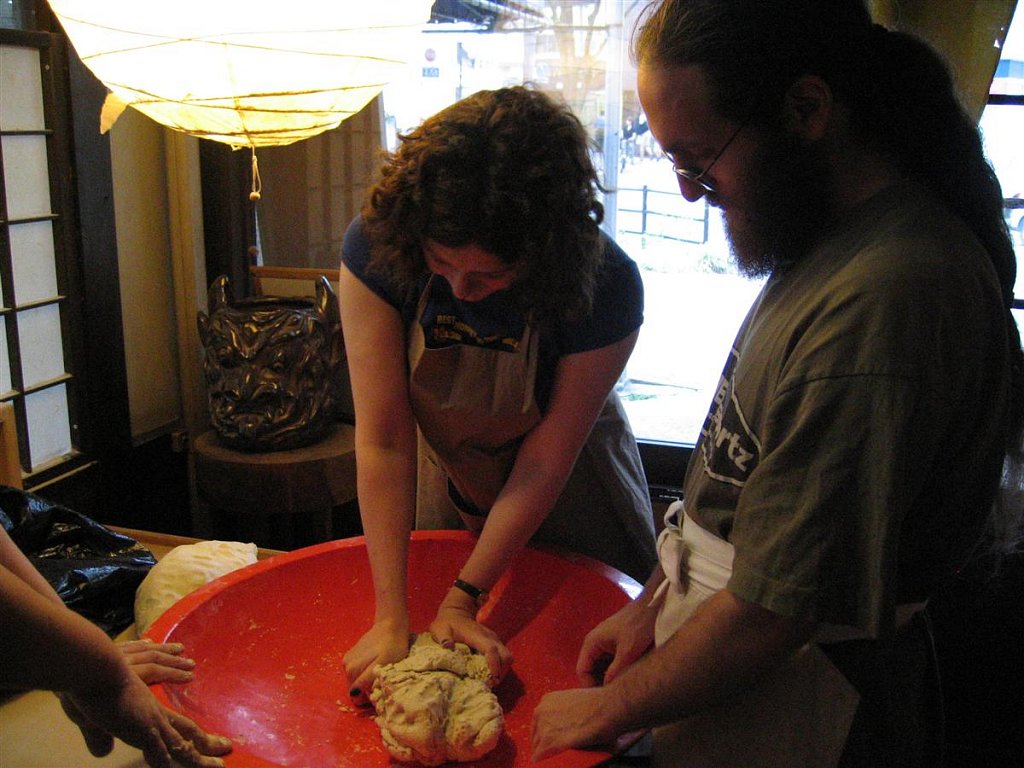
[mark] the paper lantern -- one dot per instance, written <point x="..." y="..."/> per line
<point x="249" y="73"/>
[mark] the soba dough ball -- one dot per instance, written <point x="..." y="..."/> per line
<point x="183" y="570"/>
<point x="434" y="706"/>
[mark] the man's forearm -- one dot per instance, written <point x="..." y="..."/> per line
<point x="722" y="648"/>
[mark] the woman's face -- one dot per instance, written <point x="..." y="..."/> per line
<point x="472" y="272"/>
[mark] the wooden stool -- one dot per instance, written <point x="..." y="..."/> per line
<point x="294" y="487"/>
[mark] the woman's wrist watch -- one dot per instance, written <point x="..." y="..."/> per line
<point x="478" y="595"/>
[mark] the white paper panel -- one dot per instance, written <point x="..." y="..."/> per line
<point x="48" y="425"/>
<point x="26" y="176"/>
<point x="5" y="365"/>
<point x="21" y="100"/>
<point x="42" y="355"/>
<point x="35" y="276"/>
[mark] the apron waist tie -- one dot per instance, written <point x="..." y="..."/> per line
<point x="702" y="556"/>
<point x="691" y="555"/>
<point x="465" y="507"/>
<point x="797" y="715"/>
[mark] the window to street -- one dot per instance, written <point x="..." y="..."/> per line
<point x="1002" y="125"/>
<point x="695" y="299"/>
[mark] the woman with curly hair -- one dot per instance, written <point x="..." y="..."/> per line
<point x="487" y="319"/>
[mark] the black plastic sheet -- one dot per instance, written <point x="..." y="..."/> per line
<point x="94" y="570"/>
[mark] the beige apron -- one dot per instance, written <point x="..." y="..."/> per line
<point x="474" y="405"/>
<point x="797" y="717"/>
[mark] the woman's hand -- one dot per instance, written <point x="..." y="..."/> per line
<point x="456" y="622"/>
<point x="384" y="643"/>
<point x="157" y="662"/>
<point x="128" y="710"/>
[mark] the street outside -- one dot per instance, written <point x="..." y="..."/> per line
<point x="694" y="304"/>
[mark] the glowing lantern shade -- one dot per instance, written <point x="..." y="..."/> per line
<point x="248" y="73"/>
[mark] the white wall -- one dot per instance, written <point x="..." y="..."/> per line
<point x="145" y="267"/>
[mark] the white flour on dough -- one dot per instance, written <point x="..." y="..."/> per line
<point x="434" y="706"/>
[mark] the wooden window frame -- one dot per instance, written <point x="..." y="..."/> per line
<point x="85" y="252"/>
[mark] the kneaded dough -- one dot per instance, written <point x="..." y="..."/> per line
<point x="434" y="706"/>
<point x="183" y="570"/>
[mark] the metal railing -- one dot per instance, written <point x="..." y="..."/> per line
<point x="655" y="213"/>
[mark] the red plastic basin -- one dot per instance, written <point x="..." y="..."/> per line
<point x="268" y="641"/>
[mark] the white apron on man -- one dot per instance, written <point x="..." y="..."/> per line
<point x="798" y="716"/>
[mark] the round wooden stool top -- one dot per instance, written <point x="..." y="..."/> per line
<point x="315" y="478"/>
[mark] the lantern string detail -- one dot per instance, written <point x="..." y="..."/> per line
<point x="257" y="185"/>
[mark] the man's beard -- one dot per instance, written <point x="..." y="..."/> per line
<point x="786" y="202"/>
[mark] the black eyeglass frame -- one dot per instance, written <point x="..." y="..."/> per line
<point x="698" y="176"/>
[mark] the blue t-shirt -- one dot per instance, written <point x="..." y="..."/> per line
<point x="498" y="321"/>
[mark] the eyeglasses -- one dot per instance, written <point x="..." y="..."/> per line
<point x="695" y="176"/>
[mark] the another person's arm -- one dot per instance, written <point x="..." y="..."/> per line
<point x="721" y="649"/>
<point x="47" y="646"/>
<point x="153" y="662"/>
<point x="543" y="464"/>
<point x="15" y="561"/>
<point x="386" y="469"/>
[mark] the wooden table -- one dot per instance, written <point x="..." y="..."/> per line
<point x="162" y="543"/>
<point x="282" y="499"/>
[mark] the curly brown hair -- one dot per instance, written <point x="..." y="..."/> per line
<point x="508" y="170"/>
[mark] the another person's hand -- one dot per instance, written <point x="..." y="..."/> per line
<point x="456" y="622"/>
<point x="616" y="643"/>
<point x="129" y="711"/>
<point x="157" y="662"/>
<point x="382" y="644"/>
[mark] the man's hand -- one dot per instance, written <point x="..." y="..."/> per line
<point x="583" y="717"/>
<point x="570" y="719"/>
<point x="616" y="643"/>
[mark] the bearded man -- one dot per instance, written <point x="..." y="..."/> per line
<point x="851" y="460"/>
